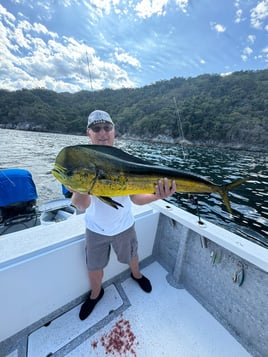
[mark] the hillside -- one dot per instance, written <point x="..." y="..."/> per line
<point x="230" y="111"/>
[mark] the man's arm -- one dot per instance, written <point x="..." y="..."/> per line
<point x="80" y="201"/>
<point x="162" y="190"/>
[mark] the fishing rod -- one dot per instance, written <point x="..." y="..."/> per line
<point x="192" y="198"/>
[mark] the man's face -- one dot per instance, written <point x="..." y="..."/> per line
<point x="101" y="134"/>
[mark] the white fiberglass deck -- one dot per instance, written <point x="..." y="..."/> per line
<point x="167" y="322"/>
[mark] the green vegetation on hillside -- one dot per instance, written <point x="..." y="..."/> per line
<point x="213" y="109"/>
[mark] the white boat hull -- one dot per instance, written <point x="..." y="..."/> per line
<point x="43" y="272"/>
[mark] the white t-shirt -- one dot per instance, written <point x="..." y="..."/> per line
<point x="104" y="219"/>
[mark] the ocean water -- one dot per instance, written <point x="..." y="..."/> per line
<point x="36" y="152"/>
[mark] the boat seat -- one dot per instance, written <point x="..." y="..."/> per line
<point x="17" y="198"/>
<point x="21" y="211"/>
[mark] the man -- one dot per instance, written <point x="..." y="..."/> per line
<point x="107" y="226"/>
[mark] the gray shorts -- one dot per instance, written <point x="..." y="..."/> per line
<point x="98" y="248"/>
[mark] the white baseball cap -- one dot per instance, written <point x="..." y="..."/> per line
<point x="99" y="116"/>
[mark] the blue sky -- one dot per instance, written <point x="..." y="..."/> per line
<point x="71" y="45"/>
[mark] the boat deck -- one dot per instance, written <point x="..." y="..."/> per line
<point x="128" y="322"/>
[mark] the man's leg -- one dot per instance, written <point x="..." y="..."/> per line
<point x="96" y="294"/>
<point x="125" y="245"/>
<point x="134" y="267"/>
<point x="143" y="282"/>
<point x="95" y="278"/>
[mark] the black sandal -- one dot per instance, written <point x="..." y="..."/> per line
<point x="144" y="283"/>
<point x="89" y="305"/>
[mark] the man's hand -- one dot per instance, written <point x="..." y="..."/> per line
<point x="163" y="190"/>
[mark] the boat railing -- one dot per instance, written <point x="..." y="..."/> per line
<point x="244" y="248"/>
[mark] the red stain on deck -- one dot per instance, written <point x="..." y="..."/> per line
<point x="119" y="341"/>
<point x="94" y="344"/>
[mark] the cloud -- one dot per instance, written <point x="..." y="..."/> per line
<point x="239" y="12"/>
<point x="183" y="4"/>
<point x="226" y="74"/>
<point x="123" y="57"/>
<point x="259" y="14"/>
<point x="126" y="43"/>
<point x="147" y="8"/>
<point x="247" y="51"/>
<point x="218" y="27"/>
<point x="251" y="39"/>
<point x="7" y="16"/>
<point x="32" y="56"/>
<point x="265" y="54"/>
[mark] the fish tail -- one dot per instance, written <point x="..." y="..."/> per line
<point x="228" y="187"/>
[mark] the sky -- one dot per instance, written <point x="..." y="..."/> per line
<point x="72" y="45"/>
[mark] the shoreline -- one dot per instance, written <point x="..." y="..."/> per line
<point x="164" y="139"/>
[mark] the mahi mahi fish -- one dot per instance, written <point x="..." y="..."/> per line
<point x="106" y="171"/>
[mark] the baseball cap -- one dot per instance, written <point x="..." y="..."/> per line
<point x="99" y="116"/>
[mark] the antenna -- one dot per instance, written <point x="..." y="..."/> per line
<point x="179" y="123"/>
<point x="89" y="73"/>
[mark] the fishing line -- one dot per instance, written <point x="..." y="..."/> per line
<point x="179" y="125"/>
<point x="90" y="77"/>
<point x="194" y="199"/>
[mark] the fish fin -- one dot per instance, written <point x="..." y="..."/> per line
<point x="228" y="187"/>
<point x="118" y="153"/>
<point x="109" y="201"/>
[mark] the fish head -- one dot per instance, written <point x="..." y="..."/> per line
<point x="75" y="169"/>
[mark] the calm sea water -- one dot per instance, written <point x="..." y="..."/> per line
<point x="36" y="152"/>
